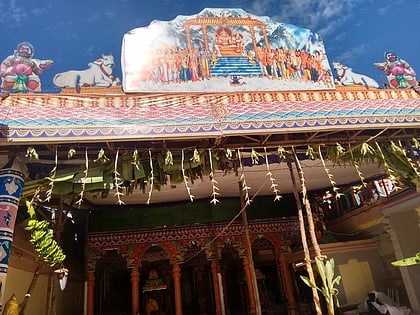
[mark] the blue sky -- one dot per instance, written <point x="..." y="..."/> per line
<point x="74" y="33"/>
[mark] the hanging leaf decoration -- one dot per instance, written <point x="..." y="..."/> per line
<point x="32" y="154"/>
<point x="245" y="187"/>
<point x="229" y="154"/>
<point x="357" y="166"/>
<point x="416" y="143"/>
<point x="388" y="169"/>
<point x="71" y="153"/>
<point x="214" y="183"/>
<point x="102" y="158"/>
<point x="169" y="160"/>
<point x="367" y="150"/>
<point x="401" y="153"/>
<point x="196" y="156"/>
<point x="152" y="178"/>
<point x="185" y="177"/>
<point x="310" y="152"/>
<point x="118" y="181"/>
<point x="330" y="176"/>
<point x="136" y="159"/>
<point x="282" y="152"/>
<point x="255" y="157"/>
<point x="51" y="178"/>
<point x="84" y="180"/>
<point x="272" y="179"/>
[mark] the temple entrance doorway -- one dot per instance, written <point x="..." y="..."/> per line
<point x="270" y="288"/>
<point x="235" y="292"/>
<point x="197" y="286"/>
<point x="112" y="285"/>
<point x="156" y="283"/>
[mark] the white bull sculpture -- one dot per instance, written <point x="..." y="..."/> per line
<point x="346" y="76"/>
<point x="98" y="74"/>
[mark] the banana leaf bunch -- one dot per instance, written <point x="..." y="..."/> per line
<point x="42" y="239"/>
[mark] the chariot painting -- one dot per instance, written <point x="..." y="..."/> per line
<point x="223" y="50"/>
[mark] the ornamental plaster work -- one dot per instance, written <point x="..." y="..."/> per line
<point x="181" y="238"/>
<point x="93" y="116"/>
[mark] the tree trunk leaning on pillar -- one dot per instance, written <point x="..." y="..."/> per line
<point x="307" y="257"/>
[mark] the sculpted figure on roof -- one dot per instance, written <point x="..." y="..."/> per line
<point x="20" y="72"/>
<point x="346" y="76"/>
<point x="98" y="73"/>
<point x="398" y="71"/>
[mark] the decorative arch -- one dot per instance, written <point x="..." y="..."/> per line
<point x="141" y="249"/>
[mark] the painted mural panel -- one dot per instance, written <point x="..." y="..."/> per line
<point x="223" y="50"/>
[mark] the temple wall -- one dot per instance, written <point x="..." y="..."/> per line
<point x="359" y="265"/>
<point x="402" y="224"/>
<point x="361" y="273"/>
<point x="18" y="283"/>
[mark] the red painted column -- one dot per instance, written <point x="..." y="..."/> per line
<point x="12" y="179"/>
<point x="176" y="270"/>
<point x="135" y="279"/>
<point x="252" y="307"/>
<point x="216" y="286"/>
<point x="90" y="292"/>
<point x="287" y="281"/>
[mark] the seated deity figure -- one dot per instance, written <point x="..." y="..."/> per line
<point x="228" y="43"/>
<point x="20" y="72"/>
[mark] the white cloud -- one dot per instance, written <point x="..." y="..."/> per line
<point x="91" y="50"/>
<point x="387" y="7"/>
<point x="13" y="11"/>
<point x="260" y="7"/>
<point x="354" y="53"/>
<point x="321" y="16"/>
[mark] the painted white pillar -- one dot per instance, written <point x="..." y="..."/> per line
<point x="402" y="223"/>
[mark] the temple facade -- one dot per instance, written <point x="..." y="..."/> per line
<point x="213" y="235"/>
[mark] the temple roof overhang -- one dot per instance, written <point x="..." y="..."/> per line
<point x="112" y="120"/>
<point x="111" y="115"/>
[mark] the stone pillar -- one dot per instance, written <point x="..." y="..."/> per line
<point x="176" y="270"/>
<point x="12" y="179"/>
<point x="216" y="286"/>
<point x="90" y="292"/>
<point x="251" y="296"/>
<point x="287" y="282"/>
<point x="135" y="279"/>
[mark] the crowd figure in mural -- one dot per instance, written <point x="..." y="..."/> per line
<point x="177" y="65"/>
<point x="292" y="64"/>
<point x="398" y="71"/>
<point x="20" y="72"/>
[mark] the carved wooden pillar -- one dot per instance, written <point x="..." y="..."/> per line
<point x="90" y="292"/>
<point x="251" y="296"/>
<point x="216" y="286"/>
<point x="176" y="270"/>
<point x="135" y="279"/>
<point x="287" y="282"/>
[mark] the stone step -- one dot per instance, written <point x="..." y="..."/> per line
<point x="227" y="66"/>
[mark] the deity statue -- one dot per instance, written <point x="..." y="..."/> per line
<point x="11" y="307"/>
<point x="398" y="71"/>
<point x="20" y="72"/>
